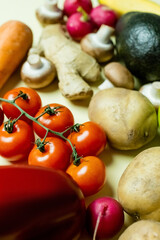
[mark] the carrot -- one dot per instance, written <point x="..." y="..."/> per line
<point x="15" y="40"/>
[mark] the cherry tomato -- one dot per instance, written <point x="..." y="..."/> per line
<point x="30" y="102"/>
<point x="57" y="118"/>
<point x="54" y="154"/>
<point x="1" y="116"/>
<point x="17" y="144"/>
<point x="89" y="139"/>
<point x="89" y="174"/>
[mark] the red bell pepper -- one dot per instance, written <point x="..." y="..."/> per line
<point x="39" y="204"/>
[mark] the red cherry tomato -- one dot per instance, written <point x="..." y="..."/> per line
<point x="30" y="102"/>
<point x="89" y="174"/>
<point x="17" y="144"/>
<point x="58" y="118"/>
<point x="54" y="154"/>
<point x="89" y="139"/>
<point x="1" y="116"/>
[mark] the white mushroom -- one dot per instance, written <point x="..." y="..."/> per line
<point x="106" y="82"/>
<point x="37" y="72"/>
<point x="99" y="44"/>
<point x="35" y="50"/>
<point x="152" y="92"/>
<point x="49" y="13"/>
<point x="117" y="75"/>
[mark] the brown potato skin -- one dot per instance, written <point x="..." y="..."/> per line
<point x="128" y="118"/>
<point x="139" y="186"/>
<point x="142" y="230"/>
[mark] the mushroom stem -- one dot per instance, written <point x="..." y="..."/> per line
<point x="105" y="84"/>
<point x="104" y="33"/>
<point x="51" y="5"/>
<point x="35" y="61"/>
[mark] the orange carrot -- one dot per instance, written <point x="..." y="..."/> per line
<point x="15" y="40"/>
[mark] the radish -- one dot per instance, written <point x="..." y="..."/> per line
<point x="71" y="6"/>
<point x="103" y="15"/>
<point x="79" y="24"/>
<point x="105" y="217"/>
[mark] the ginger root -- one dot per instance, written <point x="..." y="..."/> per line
<point x="73" y="65"/>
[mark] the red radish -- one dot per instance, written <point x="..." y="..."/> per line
<point x="105" y="217"/>
<point x="79" y="25"/>
<point x="103" y="15"/>
<point x="71" y="6"/>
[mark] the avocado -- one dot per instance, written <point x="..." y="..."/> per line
<point x="137" y="36"/>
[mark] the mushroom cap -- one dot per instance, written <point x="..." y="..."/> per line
<point x="37" y="72"/>
<point x="119" y="75"/>
<point x="49" y="13"/>
<point x="152" y="92"/>
<point x="101" y="54"/>
<point x="99" y="44"/>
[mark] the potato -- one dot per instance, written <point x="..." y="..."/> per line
<point x="128" y="117"/>
<point x="142" y="230"/>
<point x="139" y="186"/>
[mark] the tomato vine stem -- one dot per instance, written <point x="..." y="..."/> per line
<point x="22" y="95"/>
<point x="49" y="110"/>
<point x="34" y="119"/>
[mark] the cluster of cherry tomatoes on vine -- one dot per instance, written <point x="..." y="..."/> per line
<point x="47" y="136"/>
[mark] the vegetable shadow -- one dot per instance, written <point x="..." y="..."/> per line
<point x="82" y="102"/>
<point x="105" y="191"/>
<point x="52" y="87"/>
<point x="11" y="83"/>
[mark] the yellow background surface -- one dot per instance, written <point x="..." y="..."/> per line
<point x="115" y="161"/>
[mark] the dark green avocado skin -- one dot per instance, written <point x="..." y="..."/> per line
<point x="138" y="44"/>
